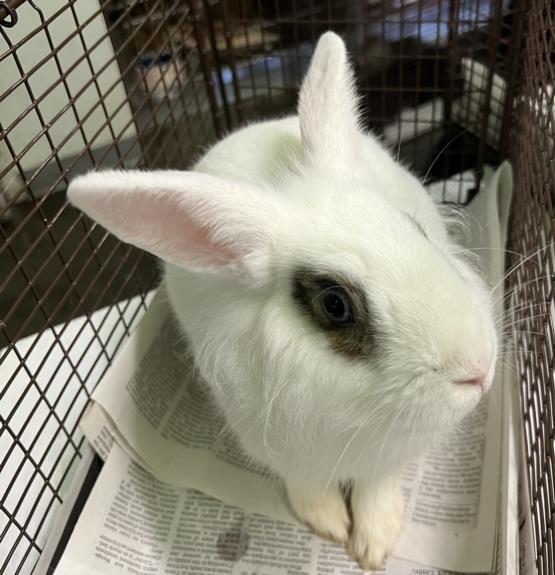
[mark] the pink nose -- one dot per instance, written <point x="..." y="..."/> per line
<point x="474" y="381"/>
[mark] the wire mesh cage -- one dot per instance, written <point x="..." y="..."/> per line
<point x="91" y="84"/>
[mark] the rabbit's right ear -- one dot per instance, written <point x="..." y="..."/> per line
<point x="189" y="219"/>
<point x="328" y="108"/>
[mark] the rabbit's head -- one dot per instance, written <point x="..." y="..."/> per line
<point x="324" y="301"/>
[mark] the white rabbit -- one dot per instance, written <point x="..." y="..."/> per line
<point x="325" y="304"/>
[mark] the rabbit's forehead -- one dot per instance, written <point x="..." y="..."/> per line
<point x="366" y="241"/>
<point x="354" y="211"/>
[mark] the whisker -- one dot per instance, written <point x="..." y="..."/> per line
<point x="425" y="179"/>
<point x="345" y="449"/>
<point x="517" y="288"/>
<point x="516" y="314"/>
<point x="520" y="264"/>
<point x="471" y="250"/>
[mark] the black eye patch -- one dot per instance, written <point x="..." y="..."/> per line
<point x="338" y="307"/>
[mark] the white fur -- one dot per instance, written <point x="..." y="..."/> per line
<point x="265" y="201"/>
<point x="322" y="507"/>
<point x="377" y="520"/>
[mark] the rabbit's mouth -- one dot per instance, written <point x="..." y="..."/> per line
<point x="477" y="382"/>
<point x="480" y="381"/>
<point x="478" y="370"/>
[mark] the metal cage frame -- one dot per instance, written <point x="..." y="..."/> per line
<point x="91" y="84"/>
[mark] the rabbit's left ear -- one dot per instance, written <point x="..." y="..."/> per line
<point x="328" y="103"/>
<point x="193" y="220"/>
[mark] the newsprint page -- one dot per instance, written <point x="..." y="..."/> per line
<point x="177" y="495"/>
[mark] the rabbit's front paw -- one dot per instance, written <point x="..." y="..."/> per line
<point x="377" y="522"/>
<point x="323" y="510"/>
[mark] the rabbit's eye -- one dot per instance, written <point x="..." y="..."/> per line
<point x="336" y="305"/>
<point x="339" y="307"/>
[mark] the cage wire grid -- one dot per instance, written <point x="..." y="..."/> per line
<point x="93" y="84"/>
<point x="532" y="280"/>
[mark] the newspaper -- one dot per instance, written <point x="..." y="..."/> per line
<point x="138" y="524"/>
<point x="178" y="495"/>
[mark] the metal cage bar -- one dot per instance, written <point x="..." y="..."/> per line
<point x="89" y="84"/>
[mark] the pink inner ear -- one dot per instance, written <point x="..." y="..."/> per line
<point x="192" y="243"/>
<point x="162" y="223"/>
<point x="158" y="221"/>
<point x="174" y="215"/>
